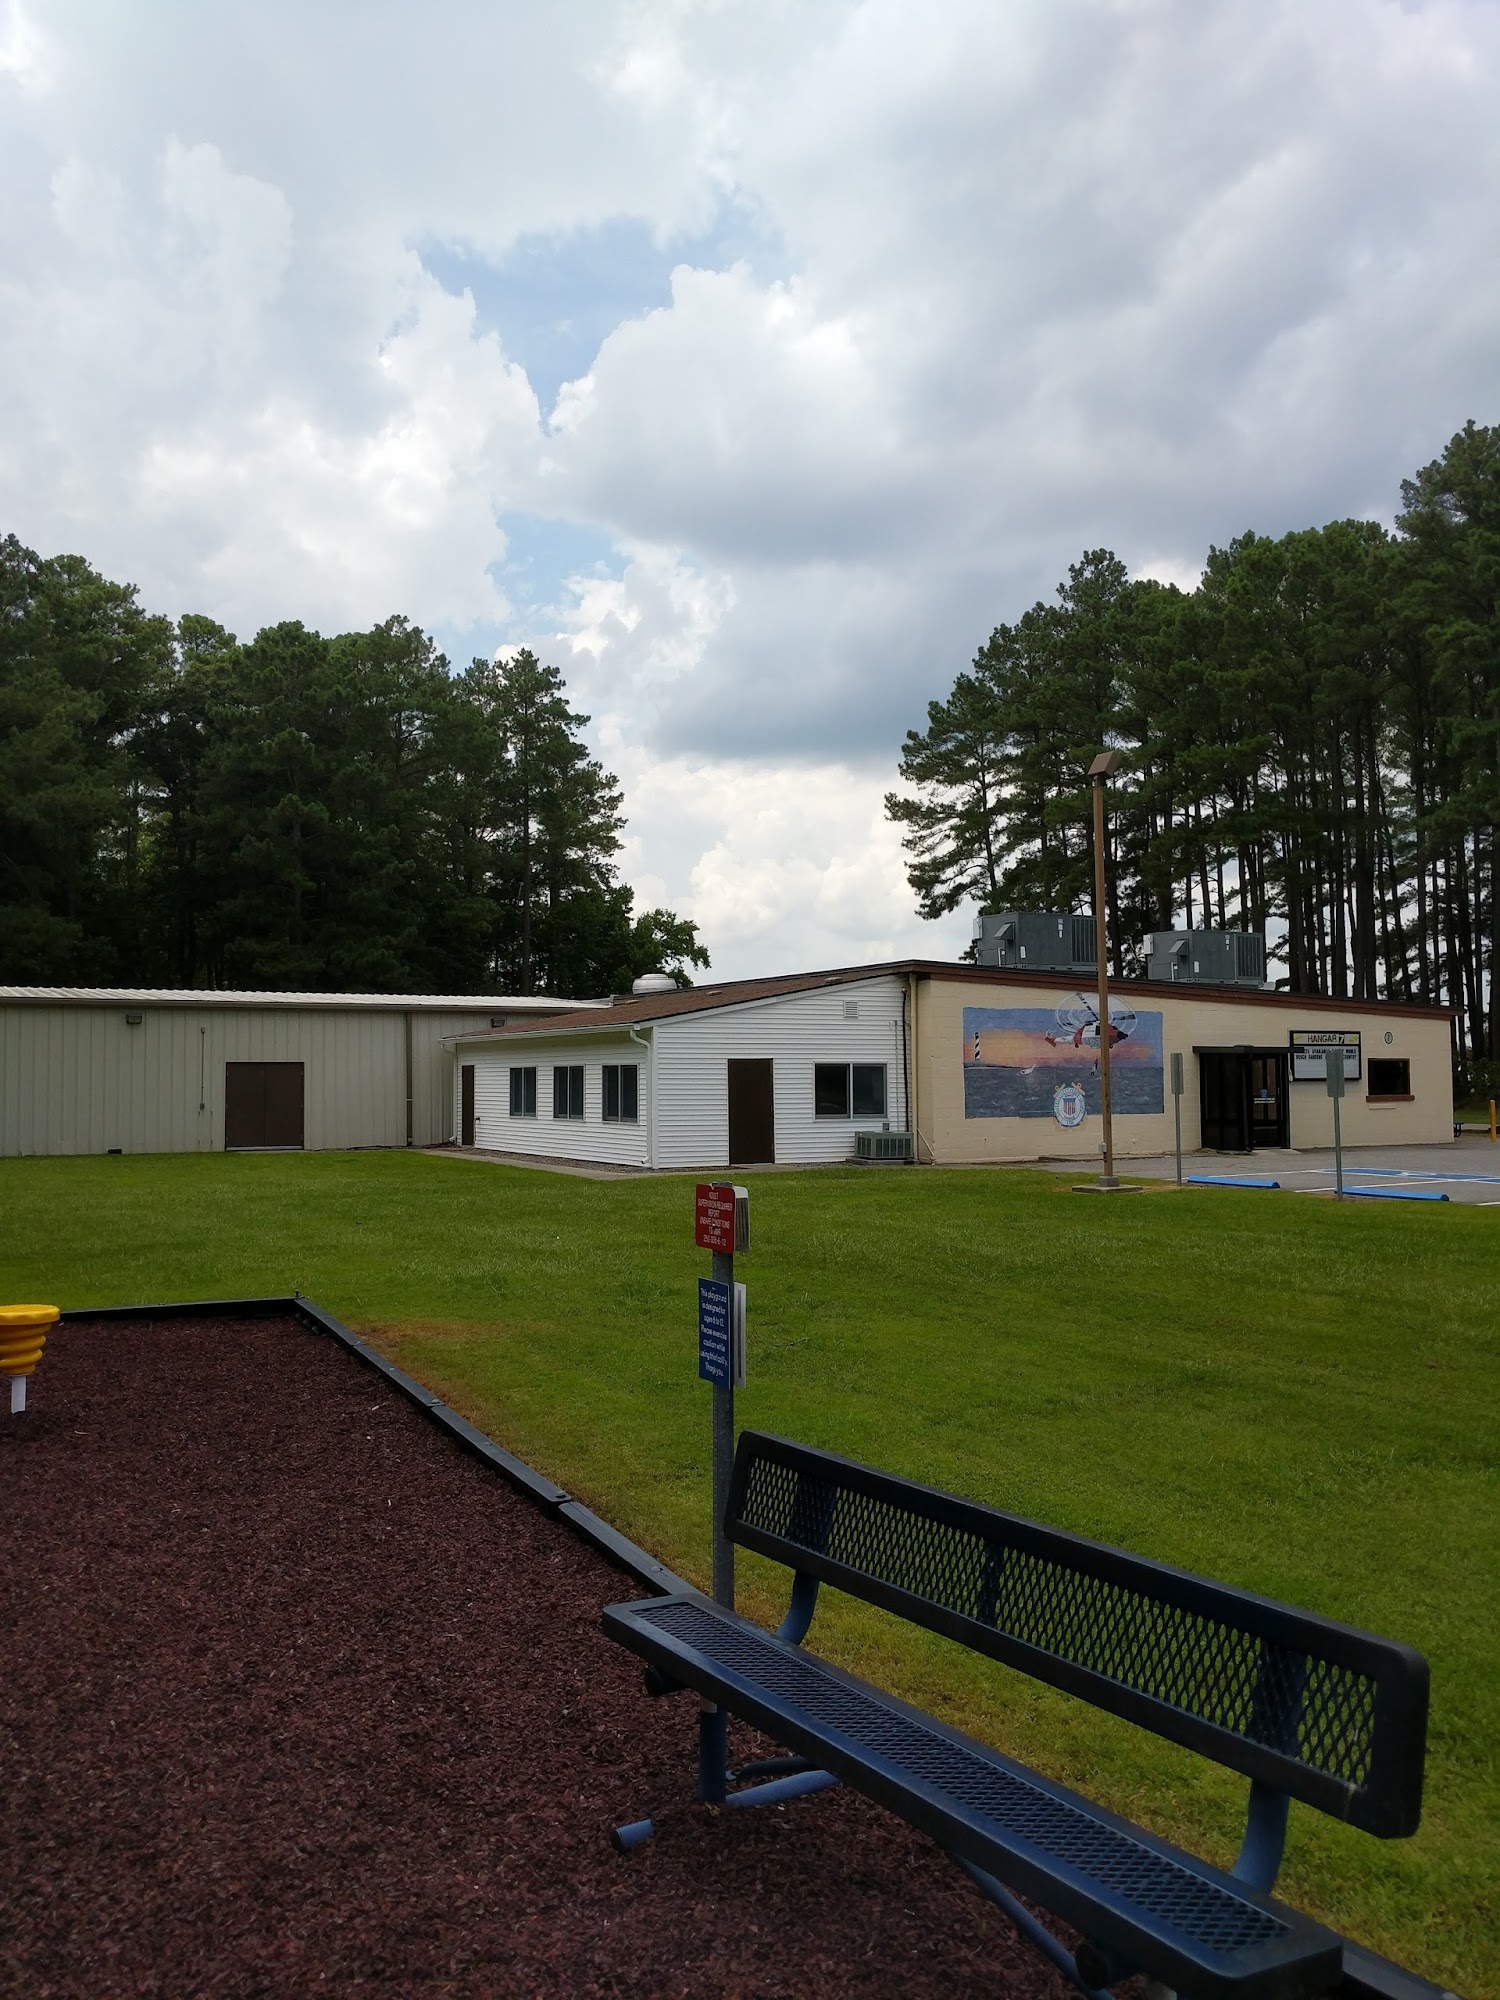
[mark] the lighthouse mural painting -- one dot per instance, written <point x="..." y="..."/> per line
<point x="1043" y="1062"/>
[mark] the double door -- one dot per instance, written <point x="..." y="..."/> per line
<point x="1242" y="1098"/>
<point x="263" y="1104"/>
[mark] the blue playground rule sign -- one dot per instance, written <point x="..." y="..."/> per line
<point x="715" y="1349"/>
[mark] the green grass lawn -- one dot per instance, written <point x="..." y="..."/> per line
<point x="1285" y="1394"/>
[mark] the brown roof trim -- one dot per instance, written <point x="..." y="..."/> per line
<point x="649" y="1007"/>
<point x="1177" y="990"/>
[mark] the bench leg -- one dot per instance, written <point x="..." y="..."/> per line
<point x="1031" y="1928"/>
<point x="780" y="1789"/>
<point x="713" y="1754"/>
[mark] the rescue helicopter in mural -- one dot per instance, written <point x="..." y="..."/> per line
<point x="1077" y="1028"/>
<point x="1078" y="1025"/>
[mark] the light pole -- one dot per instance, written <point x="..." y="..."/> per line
<point x="1103" y="766"/>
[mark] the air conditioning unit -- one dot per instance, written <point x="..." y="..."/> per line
<point x="1034" y="941"/>
<point x="886" y="1146"/>
<point x="1206" y="958"/>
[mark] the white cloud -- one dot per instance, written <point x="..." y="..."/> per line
<point x="25" y="58"/>
<point x="1053" y="275"/>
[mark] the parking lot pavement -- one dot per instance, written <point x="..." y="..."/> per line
<point x="1468" y="1170"/>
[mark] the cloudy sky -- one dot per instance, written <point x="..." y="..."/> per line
<point x="750" y="359"/>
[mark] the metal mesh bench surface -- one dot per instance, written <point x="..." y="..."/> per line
<point x="1040" y="1838"/>
<point x="1327" y="1714"/>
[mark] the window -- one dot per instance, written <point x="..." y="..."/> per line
<point x="868" y="1089"/>
<point x="567" y="1091"/>
<point x="523" y="1092"/>
<point x="831" y="1090"/>
<point x="1388" y="1076"/>
<point x="621" y="1094"/>
<point x="843" y="1090"/>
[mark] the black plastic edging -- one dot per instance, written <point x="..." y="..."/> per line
<point x="620" y="1549"/>
<point x="535" y="1485"/>
<point x="541" y="1491"/>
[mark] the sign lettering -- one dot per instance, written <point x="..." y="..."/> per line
<point x="721" y="1217"/>
<point x="715" y="1333"/>
<point x="1310" y="1049"/>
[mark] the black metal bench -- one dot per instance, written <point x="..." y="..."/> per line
<point x="1303" y="1707"/>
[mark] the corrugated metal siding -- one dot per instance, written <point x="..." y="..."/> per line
<point x="77" y="1079"/>
<point x="588" y="1138"/>
<point x="434" y="1117"/>
<point x="795" y="1030"/>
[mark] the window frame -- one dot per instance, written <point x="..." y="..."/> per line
<point x="823" y="1072"/>
<point x="563" y="1078"/>
<point x="616" y="1073"/>
<point x="524" y="1076"/>
<point x="1402" y="1065"/>
<point x="871" y="1069"/>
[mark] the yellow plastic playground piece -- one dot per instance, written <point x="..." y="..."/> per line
<point x="23" y="1335"/>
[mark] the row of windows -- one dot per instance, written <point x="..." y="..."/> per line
<point x="621" y="1092"/>
<point x="840" y="1090"/>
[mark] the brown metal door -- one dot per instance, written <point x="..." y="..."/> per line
<point x="263" y="1106"/>
<point x="466" y="1105"/>
<point x="752" y="1113"/>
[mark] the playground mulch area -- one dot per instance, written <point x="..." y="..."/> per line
<point x="297" y="1697"/>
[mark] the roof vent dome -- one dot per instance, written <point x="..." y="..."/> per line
<point x="655" y="982"/>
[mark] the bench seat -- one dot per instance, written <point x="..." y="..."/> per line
<point x="1149" y="1901"/>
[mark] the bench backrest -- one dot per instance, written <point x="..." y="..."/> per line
<point x="1330" y="1715"/>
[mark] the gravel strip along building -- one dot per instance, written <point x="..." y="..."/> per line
<point x="972" y="1063"/>
<point x="105" y="1070"/>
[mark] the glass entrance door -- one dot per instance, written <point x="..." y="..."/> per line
<point x="1223" y="1107"/>
<point x="1268" y="1106"/>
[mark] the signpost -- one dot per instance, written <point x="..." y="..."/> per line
<point x="1177" y="1107"/>
<point x="721" y="1223"/>
<point x="1335" y="1074"/>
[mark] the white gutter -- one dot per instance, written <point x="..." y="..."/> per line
<point x="474" y="1038"/>
<point x="650" y="1048"/>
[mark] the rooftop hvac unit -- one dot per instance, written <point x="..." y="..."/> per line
<point x="882" y="1146"/>
<point x="1035" y="941"/>
<point x="1206" y="958"/>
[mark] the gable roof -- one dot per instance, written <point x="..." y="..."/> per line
<point x="643" y="1007"/>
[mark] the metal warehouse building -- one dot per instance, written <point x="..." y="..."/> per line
<point x="96" y="1070"/>
<point x="953" y="1064"/>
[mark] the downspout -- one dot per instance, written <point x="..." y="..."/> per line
<point x="406" y="1017"/>
<point x="641" y="1042"/>
<point x="910" y="1007"/>
<point x="911" y="1123"/>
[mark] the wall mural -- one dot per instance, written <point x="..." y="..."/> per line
<point x="1039" y="1062"/>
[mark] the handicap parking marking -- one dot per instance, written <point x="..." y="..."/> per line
<point x="1413" y="1174"/>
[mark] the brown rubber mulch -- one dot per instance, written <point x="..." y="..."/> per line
<point x="297" y="1698"/>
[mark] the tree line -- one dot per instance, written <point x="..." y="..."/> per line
<point x="298" y="812"/>
<point x="1311" y="742"/>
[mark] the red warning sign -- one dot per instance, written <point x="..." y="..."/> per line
<point x="713" y="1217"/>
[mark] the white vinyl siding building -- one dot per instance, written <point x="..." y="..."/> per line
<point x="683" y="1061"/>
<point x="497" y="1128"/>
